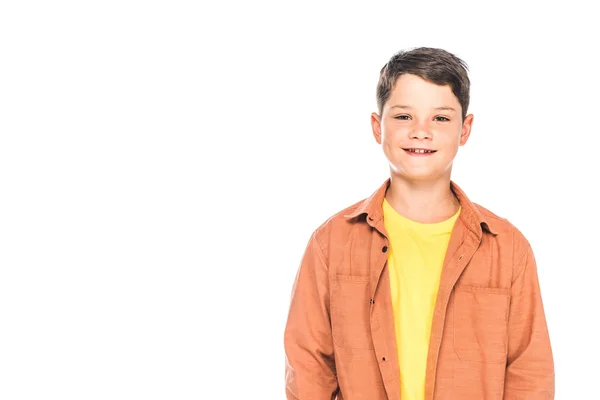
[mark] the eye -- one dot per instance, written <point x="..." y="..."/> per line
<point x="402" y="117"/>
<point x="444" y="119"/>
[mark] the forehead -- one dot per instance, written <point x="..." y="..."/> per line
<point x="414" y="90"/>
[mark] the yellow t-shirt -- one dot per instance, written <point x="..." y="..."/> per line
<point x="415" y="259"/>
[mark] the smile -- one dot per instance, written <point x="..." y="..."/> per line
<point x="419" y="152"/>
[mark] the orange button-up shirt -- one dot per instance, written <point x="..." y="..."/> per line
<point x="489" y="339"/>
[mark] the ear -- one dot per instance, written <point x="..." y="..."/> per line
<point x="376" y="126"/>
<point x="466" y="129"/>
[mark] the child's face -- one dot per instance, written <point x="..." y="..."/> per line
<point x="420" y="125"/>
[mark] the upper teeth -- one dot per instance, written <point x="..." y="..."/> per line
<point x="420" y="151"/>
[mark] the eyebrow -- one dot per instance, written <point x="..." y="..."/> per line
<point x="443" y="108"/>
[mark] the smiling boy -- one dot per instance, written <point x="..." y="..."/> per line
<point x="416" y="292"/>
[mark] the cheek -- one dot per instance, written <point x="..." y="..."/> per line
<point x="449" y="139"/>
<point x="389" y="148"/>
<point x="390" y="143"/>
<point x="392" y="136"/>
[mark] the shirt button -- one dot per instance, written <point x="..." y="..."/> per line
<point x="384" y="249"/>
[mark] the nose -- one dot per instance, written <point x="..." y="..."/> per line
<point x="421" y="131"/>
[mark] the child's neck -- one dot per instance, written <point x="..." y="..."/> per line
<point x="424" y="202"/>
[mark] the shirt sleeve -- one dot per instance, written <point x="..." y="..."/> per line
<point x="310" y="367"/>
<point x="530" y="366"/>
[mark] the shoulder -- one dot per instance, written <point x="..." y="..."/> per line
<point x="338" y="224"/>
<point x="508" y="233"/>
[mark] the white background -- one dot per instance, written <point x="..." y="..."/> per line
<point x="163" y="164"/>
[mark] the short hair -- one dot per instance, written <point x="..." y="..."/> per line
<point x="437" y="66"/>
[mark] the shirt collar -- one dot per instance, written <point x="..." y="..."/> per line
<point x="372" y="206"/>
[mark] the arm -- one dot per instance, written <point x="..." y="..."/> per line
<point x="310" y="368"/>
<point x="530" y="366"/>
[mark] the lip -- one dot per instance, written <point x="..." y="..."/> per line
<point x="410" y="153"/>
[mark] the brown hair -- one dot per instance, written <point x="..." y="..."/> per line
<point x="434" y="65"/>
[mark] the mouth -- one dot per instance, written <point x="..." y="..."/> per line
<point x="416" y="152"/>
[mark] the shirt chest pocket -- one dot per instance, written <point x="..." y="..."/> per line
<point x="480" y="323"/>
<point x="350" y="311"/>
